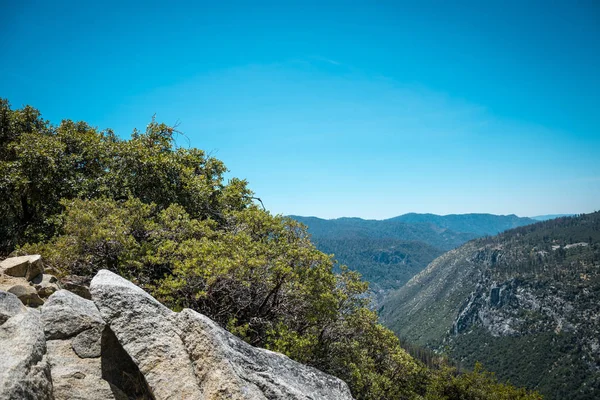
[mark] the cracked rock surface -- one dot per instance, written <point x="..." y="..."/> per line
<point x="123" y="344"/>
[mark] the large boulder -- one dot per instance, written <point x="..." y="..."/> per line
<point x="187" y="355"/>
<point x="24" y="369"/>
<point x="65" y="315"/>
<point x="25" y="266"/>
<point x="73" y="327"/>
<point x="145" y="329"/>
<point x="227" y="366"/>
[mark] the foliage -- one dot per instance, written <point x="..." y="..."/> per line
<point x="386" y="264"/>
<point x="567" y="375"/>
<point x="524" y="303"/>
<point x="164" y="218"/>
<point x="41" y="164"/>
<point x="475" y="385"/>
<point x="389" y="252"/>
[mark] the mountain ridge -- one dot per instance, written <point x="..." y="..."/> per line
<point x="389" y="252"/>
<point x="522" y="302"/>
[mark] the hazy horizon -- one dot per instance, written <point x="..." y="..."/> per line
<point x="334" y="109"/>
<point x="443" y="215"/>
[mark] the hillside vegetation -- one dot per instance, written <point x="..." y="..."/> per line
<point x="164" y="217"/>
<point x="426" y="232"/>
<point x="385" y="263"/>
<point x="478" y="224"/>
<point x="387" y="253"/>
<point x="525" y="303"/>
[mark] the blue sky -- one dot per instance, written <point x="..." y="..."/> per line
<point x="369" y="109"/>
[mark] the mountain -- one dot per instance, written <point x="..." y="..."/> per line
<point x="550" y="216"/>
<point x="426" y="232"/>
<point x="386" y="263"/>
<point x="480" y="224"/>
<point x="526" y="303"/>
<point x="390" y="252"/>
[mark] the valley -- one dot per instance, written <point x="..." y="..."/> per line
<point x="389" y="252"/>
<point x="524" y="303"/>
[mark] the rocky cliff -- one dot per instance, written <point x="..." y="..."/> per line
<point x="525" y="303"/>
<point x="123" y="344"/>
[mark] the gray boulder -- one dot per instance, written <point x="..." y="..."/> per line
<point x="65" y="315"/>
<point x="74" y="327"/>
<point x="187" y="355"/>
<point x="27" y="294"/>
<point x="231" y="367"/>
<point x="145" y="329"/>
<point x="88" y="344"/>
<point x="24" y="369"/>
<point x="24" y="266"/>
<point x="10" y="305"/>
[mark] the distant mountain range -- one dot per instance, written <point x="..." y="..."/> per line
<point x="526" y="303"/>
<point x="551" y="216"/>
<point x="389" y="252"/>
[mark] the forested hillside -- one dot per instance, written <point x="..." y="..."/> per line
<point x="479" y="224"/>
<point x="164" y="217"/>
<point x="387" y="253"/>
<point x="525" y="303"/>
<point x="426" y="232"/>
<point x="385" y="263"/>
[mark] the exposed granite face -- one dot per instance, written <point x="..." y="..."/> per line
<point x="124" y="344"/>
<point x="145" y="329"/>
<point x="227" y="365"/>
<point x="24" y="368"/>
<point x="187" y="355"/>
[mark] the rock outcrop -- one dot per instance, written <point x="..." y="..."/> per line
<point x="25" y="266"/>
<point x="24" y="277"/>
<point x="24" y="367"/>
<point x="73" y="328"/>
<point x="225" y="364"/>
<point x="186" y="355"/>
<point x="146" y="330"/>
<point x="123" y="344"/>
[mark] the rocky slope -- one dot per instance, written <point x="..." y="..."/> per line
<point x="123" y="344"/>
<point x="525" y="303"/>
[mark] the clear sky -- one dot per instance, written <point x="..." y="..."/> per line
<point x="350" y="108"/>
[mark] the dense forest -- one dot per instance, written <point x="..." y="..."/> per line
<point x="164" y="217"/>
<point x="387" y="253"/>
<point x="525" y="303"/>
